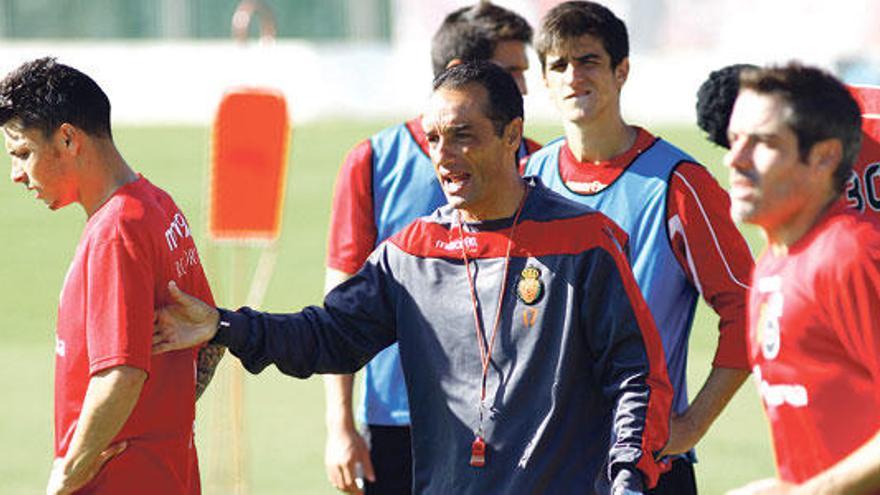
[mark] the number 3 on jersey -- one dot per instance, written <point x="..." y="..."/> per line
<point x="862" y="191"/>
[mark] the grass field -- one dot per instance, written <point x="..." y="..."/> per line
<point x="284" y="430"/>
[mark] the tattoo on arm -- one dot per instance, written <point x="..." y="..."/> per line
<point x="209" y="358"/>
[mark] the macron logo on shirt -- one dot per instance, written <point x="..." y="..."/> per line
<point x="176" y="231"/>
<point x="469" y="242"/>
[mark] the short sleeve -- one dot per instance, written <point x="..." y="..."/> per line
<point x="119" y="305"/>
<point x="352" y="232"/>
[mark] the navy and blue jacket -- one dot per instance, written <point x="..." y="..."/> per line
<point x="577" y="372"/>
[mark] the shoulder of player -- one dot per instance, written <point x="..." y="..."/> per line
<point x="363" y="150"/>
<point x="695" y="182"/>
<point x="135" y="214"/>
<point x="423" y="231"/>
<point x="573" y="226"/>
<point x="551" y="224"/>
<point x="360" y="153"/>
<point x="692" y="171"/>
<point x="532" y="146"/>
<point x="410" y="129"/>
<point x="850" y="229"/>
<point x="849" y="239"/>
<point x="549" y="149"/>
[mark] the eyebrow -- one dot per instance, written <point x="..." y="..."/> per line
<point x="432" y="127"/>
<point x="755" y="135"/>
<point x="459" y="127"/>
<point x="566" y="58"/>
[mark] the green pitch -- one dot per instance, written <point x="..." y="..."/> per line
<point x="284" y="429"/>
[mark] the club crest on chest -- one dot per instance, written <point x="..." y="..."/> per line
<point x="530" y="287"/>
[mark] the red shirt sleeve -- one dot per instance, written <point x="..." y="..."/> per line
<point x="713" y="254"/>
<point x="119" y="304"/>
<point x="531" y="145"/>
<point x="352" y="233"/>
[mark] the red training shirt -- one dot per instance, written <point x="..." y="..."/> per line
<point x="814" y="342"/>
<point x="131" y="247"/>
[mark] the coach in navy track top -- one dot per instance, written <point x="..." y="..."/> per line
<point x="528" y="352"/>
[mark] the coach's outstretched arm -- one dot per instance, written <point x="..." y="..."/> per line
<point x="356" y="322"/>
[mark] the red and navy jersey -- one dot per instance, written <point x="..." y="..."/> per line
<point x="385" y="183"/>
<point x="577" y="355"/>
<point x="131" y="247"/>
<point x="814" y="342"/>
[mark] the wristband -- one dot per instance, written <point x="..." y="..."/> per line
<point x="222" y="325"/>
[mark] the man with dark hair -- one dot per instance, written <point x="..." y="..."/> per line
<point x="505" y="34"/>
<point x="512" y="391"/>
<point x="683" y="242"/>
<point x="814" y="331"/>
<point x="715" y="102"/>
<point x="385" y="183"/>
<point x="56" y="122"/>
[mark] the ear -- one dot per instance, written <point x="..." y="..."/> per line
<point x="621" y="72"/>
<point x="69" y="138"/>
<point x="513" y="133"/>
<point x="825" y="156"/>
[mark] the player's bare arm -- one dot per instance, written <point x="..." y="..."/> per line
<point x="857" y="473"/>
<point x="721" y="261"/>
<point x="209" y="358"/>
<point x="687" y="429"/>
<point x="345" y="448"/>
<point x="110" y="398"/>
<point x="768" y="486"/>
<point x="184" y="323"/>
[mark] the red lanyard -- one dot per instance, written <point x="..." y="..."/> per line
<point x="478" y="448"/>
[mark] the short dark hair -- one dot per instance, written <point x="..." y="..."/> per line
<point x="820" y="108"/>
<point x="504" y="101"/>
<point x="715" y="100"/>
<point x="472" y="33"/>
<point x="574" y="19"/>
<point x="44" y="94"/>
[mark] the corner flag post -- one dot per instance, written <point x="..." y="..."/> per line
<point x="250" y="144"/>
<point x="248" y="176"/>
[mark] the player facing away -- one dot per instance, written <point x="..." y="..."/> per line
<point x="385" y="183"/>
<point x="683" y="242"/>
<point x="522" y="333"/>
<point x="123" y="417"/>
<point x="715" y="100"/>
<point x="814" y="305"/>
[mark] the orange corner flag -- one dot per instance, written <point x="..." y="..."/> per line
<point x="249" y="166"/>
